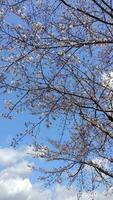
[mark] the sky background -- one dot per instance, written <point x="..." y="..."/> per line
<point x="18" y="180"/>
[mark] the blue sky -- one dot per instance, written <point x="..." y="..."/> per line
<point x="18" y="179"/>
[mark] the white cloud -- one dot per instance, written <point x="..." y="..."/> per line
<point x="107" y="79"/>
<point x="23" y="169"/>
<point x="62" y="192"/>
<point x="9" y="156"/>
<point x="38" y="152"/>
<point x="18" y="188"/>
<point x="13" y="188"/>
<point x="15" y="183"/>
<point x="101" y="162"/>
<point x="15" y="177"/>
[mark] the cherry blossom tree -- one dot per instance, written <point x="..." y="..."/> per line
<point x="57" y="62"/>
